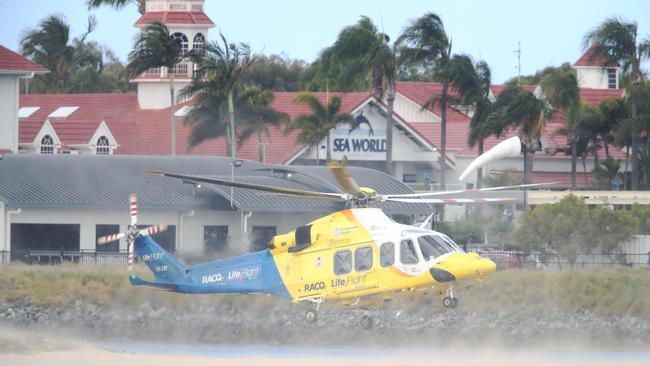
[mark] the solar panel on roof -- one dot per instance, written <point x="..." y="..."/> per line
<point x="26" y="112"/>
<point x="63" y="112"/>
<point x="183" y="111"/>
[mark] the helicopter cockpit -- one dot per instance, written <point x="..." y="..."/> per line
<point x="429" y="245"/>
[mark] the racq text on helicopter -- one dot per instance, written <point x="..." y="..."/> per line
<point x="354" y="257"/>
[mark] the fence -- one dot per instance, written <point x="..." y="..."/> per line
<point x="556" y="262"/>
<point x="62" y="256"/>
<point x="503" y="259"/>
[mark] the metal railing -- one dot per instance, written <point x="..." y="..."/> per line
<point x="557" y="262"/>
<point x="63" y="256"/>
<point x="504" y="259"/>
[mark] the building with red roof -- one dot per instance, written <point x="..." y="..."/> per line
<point x="594" y="72"/>
<point x="139" y="124"/>
<point x="12" y="68"/>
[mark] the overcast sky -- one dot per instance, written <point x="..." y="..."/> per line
<point x="550" y="31"/>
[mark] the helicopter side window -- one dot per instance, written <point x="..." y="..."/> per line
<point x="407" y="252"/>
<point x="363" y="259"/>
<point x="342" y="262"/>
<point x="387" y="254"/>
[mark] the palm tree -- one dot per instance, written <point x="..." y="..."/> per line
<point x="518" y="108"/>
<point x="362" y="50"/>
<point x="221" y="67"/>
<point x="425" y="41"/>
<point x="612" y="112"/>
<point x="561" y="88"/>
<point x="49" y="45"/>
<point x="207" y="118"/>
<point x="615" y="41"/>
<point x="256" y="116"/>
<point x="117" y="4"/>
<point x="156" y="48"/>
<point x="317" y="125"/>
<point x="477" y="95"/>
<point x="606" y="172"/>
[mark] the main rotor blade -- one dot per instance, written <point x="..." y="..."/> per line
<point x="258" y="187"/>
<point x="133" y="204"/>
<point x="345" y="180"/>
<point x="153" y="230"/>
<point x="109" y="238"/>
<point x="443" y="193"/>
<point x="451" y="201"/>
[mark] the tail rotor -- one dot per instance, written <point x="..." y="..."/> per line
<point x="132" y="232"/>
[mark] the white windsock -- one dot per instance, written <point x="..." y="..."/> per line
<point x="509" y="148"/>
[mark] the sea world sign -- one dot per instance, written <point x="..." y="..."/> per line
<point x="358" y="145"/>
<point x="359" y="140"/>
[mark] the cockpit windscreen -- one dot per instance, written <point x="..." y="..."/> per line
<point x="432" y="246"/>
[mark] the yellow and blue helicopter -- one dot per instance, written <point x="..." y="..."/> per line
<point x="354" y="257"/>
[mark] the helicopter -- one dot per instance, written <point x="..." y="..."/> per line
<point x="356" y="257"/>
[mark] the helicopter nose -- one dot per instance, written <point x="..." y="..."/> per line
<point x="460" y="266"/>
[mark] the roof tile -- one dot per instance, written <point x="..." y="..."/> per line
<point x="11" y="61"/>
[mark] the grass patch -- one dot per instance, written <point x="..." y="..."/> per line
<point x="625" y="292"/>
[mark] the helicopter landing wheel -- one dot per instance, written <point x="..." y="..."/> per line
<point x="367" y="322"/>
<point x="450" y="302"/>
<point x="311" y="316"/>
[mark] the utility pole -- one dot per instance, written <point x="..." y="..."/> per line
<point x="518" y="52"/>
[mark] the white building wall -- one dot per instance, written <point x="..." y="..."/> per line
<point x="189" y="227"/>
<point x="155" y="94"/>
<point x="592" y="77"/>
<point x="9" y="112"/>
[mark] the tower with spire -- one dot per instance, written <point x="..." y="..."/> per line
<point x="187" y="21"/>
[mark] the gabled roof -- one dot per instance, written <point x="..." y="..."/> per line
<point x="147" y="132"/>
<point x="13" y="63"/>
<point x="175" y="18"/>
<point x="457" y="122"/>
<point x="80" y="126"/>
<point x="587" y="59"/>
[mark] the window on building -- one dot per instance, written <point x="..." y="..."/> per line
<point x="262" y="236"/>
<point x="407" y="252"/>
<point x="154" y="71"/>
<point x="363" y="259"/>
<point x="181" y="68"/>
<point x="103" y="230"/>
<point x="342" y="262"/>
<point x="611" y="78"/>
<point x="176" y="6"/>
<point x="44" y="243"/>
<point x="215" y="238"/>
<point x="387" y="254"/>
<point x="409" y="178"/>
<point x="103" y="147"/>
<point x="198" y="43"/>
<point x="197" y="7"/>
<point x="182" y="39"/>
<point x="47" y="145"/>
<point x="166" y="239"/>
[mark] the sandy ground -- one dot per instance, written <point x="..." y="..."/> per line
<point x="97" y="357"/>
<point x="20" y="347"/>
